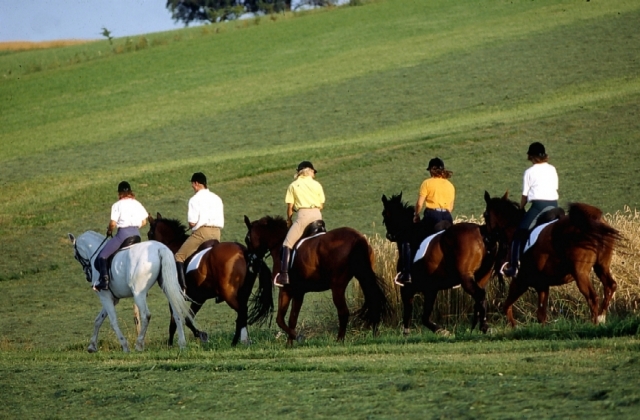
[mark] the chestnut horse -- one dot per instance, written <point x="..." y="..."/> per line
<point x="565" y="250"/>
<point x="461" y="255"/>
<point x="227" y="272"/>
<point x="323" y="262"/>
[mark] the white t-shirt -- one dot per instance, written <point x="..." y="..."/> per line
<point x="128" y="212"/>
<point x="540" y="182"/>
<point x="205" y="209"/>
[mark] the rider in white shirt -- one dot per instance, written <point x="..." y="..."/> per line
<point x="540" y="188"/>
<point x="206" y="218"/>
<point x="128" y="215"/>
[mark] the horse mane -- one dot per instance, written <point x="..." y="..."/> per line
<point x="175" y="225"/>
<point x="508" y="208"/>
<point x="407" y="209"/>
<point x="273" y="222"/>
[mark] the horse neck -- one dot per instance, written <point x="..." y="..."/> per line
<point x="177" y="239"/>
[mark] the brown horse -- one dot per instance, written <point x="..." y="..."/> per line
<point x="565" y="250"/>
<point x="324" y="262"/>
<point x="227" y="273"/>
<point x="461" y="255"/>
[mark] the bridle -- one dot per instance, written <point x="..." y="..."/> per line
<point x="86" y="262"/>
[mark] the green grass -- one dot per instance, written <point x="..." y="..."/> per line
<point x="369" y="94"/>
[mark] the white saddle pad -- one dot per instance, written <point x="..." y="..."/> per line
<point x="195" y="261"/>
<point x="293" y="254"/>
<point x="533" y="237"/>
<point x="424" y="245"/>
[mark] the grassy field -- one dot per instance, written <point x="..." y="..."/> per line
<point x="369" y="94"/>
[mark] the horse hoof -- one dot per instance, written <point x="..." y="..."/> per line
<point x="406" y="332"/>
<point x="204" y="337"/>
<point x="92" y="348"/>
<point x="601" y="319"/>
<point x="247" y="342"/>
<point x="300" y="338"/>
<point x="443" y="333"/>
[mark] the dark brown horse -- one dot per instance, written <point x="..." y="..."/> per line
<point x="461" y="255"/>
<point x="325" y="262"/>
<point x="227" y="273"/>
<point x="565" y="250"/>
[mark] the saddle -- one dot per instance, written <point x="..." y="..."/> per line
<point x="547" y="215"/>
<point x="130" y="241"/>
<point x="203" y="246"/>
<point x="314" y="228"/>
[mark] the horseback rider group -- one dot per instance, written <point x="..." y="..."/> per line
<point x="305" y="196"/>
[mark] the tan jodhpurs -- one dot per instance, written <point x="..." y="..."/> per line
<point x="305" y="216"/>
<point x="204" y="233"/>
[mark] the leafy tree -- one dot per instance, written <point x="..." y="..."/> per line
<point x="189" y="11"/>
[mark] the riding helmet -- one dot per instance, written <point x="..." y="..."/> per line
<point x="124" y="187"/>
<point x="435" y="163"/>
<point x="536" y="149"/>
<point x="306" y="164"/>
<point x="200" y="178"/>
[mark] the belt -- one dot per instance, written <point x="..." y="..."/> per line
<point x="308" y="208"/>
<point x="441" y="210"/>
<point x="210" y="226"/>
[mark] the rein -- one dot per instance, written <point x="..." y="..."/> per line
<point x="86" y="262"/>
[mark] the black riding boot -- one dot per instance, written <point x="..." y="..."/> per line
<point x="103" y="280"/>
<point x="282" y="278"/>
<point x="180" y="270"/>
<point x="404" y="276"/>
<point x="511" y="270"/>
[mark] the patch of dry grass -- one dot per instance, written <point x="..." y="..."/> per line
<point x="27" y="45"/>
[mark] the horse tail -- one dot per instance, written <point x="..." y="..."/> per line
<point x="262" y="300"/>
<point x="171" y="286"/>
<point x="375" y="307"/>
<point x="592" y="228"/>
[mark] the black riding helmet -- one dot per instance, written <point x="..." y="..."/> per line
<point x="124" y="187"/>
<point x="537" y="149"/>
<point x="435" y="163"/>
<point x="306" y="164"/>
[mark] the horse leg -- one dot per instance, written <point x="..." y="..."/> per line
<point x="480" y="305"/>
<point x="543" y="302"/>
<point x="407" y="294"/>
<point x="109" y="306"/>
<point x="296" y="304"/>
<point x="283" y="306"/>
<point x="145" y="316"/>
<point x="517" y="288"/>
<point x="241" y="308"/>
<point x="586" y="288"/>
<point x="343" y="311"/>
<point x="609" y="285"/>
<point x="203" y="336"/>
<point x="93" y="344"/>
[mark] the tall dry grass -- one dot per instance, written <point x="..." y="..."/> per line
<point x="27" y="45"/>
<point x="454" y="307"/>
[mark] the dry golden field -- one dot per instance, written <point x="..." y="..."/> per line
<point x="27" y="45"/>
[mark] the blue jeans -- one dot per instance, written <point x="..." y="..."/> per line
<point x="536" y="208"/>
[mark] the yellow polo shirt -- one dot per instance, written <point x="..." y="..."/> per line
<point x="439" y="193"/>
<point x="305" y="193"/>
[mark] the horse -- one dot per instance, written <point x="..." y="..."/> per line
<point x="227" y="272"/>
<point x="565" y="250"/>
<point x="323" y="262"/>
<point x="463" y="254"/>
<point x="133" y="272"/>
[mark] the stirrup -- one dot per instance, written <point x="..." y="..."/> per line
<point x="277" y="283"/>
<point x="400" y="283"/>
<point x="101" y="285"/>
<point x="507" y="267"/>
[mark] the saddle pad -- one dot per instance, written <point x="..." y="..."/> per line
<point x="533" y="236"/>
<point x="293" y="254"/>
<point x="195" y="261"/>
<point x="424" y="245"/>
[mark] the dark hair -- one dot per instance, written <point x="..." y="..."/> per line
<point x="200" y="178"/>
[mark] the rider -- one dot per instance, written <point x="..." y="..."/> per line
<point x="437" y="194"/>
<point x="305" y="196"/>
<point x="540" y="188"/>
<point x="128" y="215"/>
<point x="205" y="217"/>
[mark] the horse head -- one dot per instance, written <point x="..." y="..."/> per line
<point x="265" y="234"/>
<point x="397" y="217"/>
<point x="501" y="214"/>
<point x="166" y="231"/>
<point x="86" y="247"/>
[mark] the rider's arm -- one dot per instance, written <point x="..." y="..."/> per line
<point x="419" y="204"/>
<point x="112" y="225"/>
<point x="523" y="201"/>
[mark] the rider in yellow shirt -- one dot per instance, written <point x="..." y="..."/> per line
<point x="306" y="197"/>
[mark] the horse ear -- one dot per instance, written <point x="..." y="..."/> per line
<point x="247" y="221"/>
<point x="158" y="216"/>
<point x="384" y="199"/>
<point x="72" y="238"/>
<point x="487" y="197"/>
<point x="150" y="219"/>
<point x="506" y="195"/>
